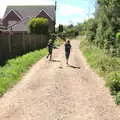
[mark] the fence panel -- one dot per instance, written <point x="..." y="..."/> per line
<point x="26" y="43"/>
<point x="18" y="44"/>
<point x="4" y="48"/>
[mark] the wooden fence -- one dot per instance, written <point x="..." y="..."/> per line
<point x="18" y="44"/>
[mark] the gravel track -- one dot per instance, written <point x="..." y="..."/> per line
<point x="54" y="91"/>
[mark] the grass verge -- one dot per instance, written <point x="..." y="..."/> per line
<point x="106" y="66"/>
<point x="59" y="42"/>
<point x="12" y="72"/>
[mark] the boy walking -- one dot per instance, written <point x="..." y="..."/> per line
<point x="50" y="48"/>
<point x="67" y="50"/>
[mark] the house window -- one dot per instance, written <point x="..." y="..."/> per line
<point x="11" y="22"/>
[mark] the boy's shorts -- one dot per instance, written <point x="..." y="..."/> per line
<point x="50" y="51"/>
<point x="67" y="54"/>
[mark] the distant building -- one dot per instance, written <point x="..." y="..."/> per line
<point x="0" y="22"/>
<point x="16" y="17"/>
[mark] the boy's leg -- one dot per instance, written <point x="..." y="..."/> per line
<point x="66" y="61"/>
<point x="50" y="56"/>
<point x="67" y="57"/>
<point x="49" y="52"/>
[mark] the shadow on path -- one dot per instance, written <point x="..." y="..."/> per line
<point x="55" y="60"/>
<point x="72" y="66"/>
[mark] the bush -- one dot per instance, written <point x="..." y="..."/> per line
<point x="11" y="73"/>
<point x="90" y="36"/>
<point x="107" y="46"/>
<point x="99" y="36"/>
<point x="70" y="33"/>
<point x="58" y="42"/>
<point x="114" y="82"/>
<point x="118" y="44"/>
<point x="61" y="28"/>
<point x="38" y="26"/>
<point x="118" y="37"/>
<point x="107" y="66"/>
<point x="117" y="98"/>
<point x="62" y="36"/>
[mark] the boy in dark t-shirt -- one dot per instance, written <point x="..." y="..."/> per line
<point x="50" y="48"/>
<point x="67" y="50"/>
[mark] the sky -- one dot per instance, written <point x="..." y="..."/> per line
<point x="68" y="11"/>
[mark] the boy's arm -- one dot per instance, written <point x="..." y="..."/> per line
<point x="70" y="47"/>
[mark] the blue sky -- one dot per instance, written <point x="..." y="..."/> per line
<point x="74" y="11"/>
<point x="68" y="11"/>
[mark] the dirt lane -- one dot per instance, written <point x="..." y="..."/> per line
<point x="54" y="91"/>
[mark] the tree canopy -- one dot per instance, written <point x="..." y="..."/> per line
<point x="104" y="29"/>
<point x="38" y="26"/>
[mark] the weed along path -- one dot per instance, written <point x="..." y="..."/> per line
<point x="54" y="91"/>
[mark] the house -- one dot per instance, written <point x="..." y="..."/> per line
<point x="16" y="17"/>
<point x="2" y="28"/>
<point x="0" y="22"/>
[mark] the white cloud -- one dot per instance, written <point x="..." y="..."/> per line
<point x="68" y="10"/>
<point x="2" y="10"/>
<point x="4" y="3"/>
<point x="70" y="14"/>
<point x="73" y="21"/>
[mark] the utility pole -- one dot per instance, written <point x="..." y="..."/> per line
<point x="55" y="5"/>
<point x="55" y="12"/>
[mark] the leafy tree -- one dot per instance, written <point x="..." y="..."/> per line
<point x="61" y="28"/>
<point x="69" y="31"/>
<point x="108" y="18"/>
<point x="91" y="29"/>
<point x="102" y="29"/>
<point x="38" y="26"/>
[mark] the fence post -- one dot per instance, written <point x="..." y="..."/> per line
<point x="23" y="42"/>
<point x="9" y="42"/>
<point x="35" y="42"/>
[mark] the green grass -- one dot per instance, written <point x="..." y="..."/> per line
<point x="106" y="66"/>
<point x="58" y="42"/>
<point x="13" y="70"/>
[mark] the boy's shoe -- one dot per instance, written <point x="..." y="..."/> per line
<point x="50" y="59"/>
